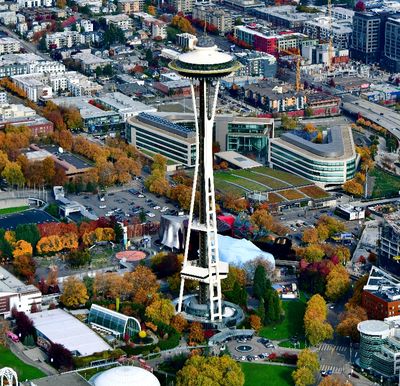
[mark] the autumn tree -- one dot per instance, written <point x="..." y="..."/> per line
<point x="255" y="322"/>
<point x="111" y="285"/>
<point x="144" y="284"/>
<point x="179" y="323"/>
<point x="261" y="219"/>
<point x="212" y="370"/>
<point x="22" y="248"/>
<point x="4" y="328"/>
<point x="332" y="225"/>
<point x="62" y="357"/>
<point x="338" y="282"/>
<point x="309" y="128"/>
<point x="310" y="236"/>
<point x="3" y="160"/>
<point x="303" y="376"/>
<point x="24" y="266"/>
<point x="160" y="310"/>
<point x="74" y="292"/>
<point x="308" y="358"/>
<point x="316" y="327"/>
<point x="313" y="253"/>
<point x="196" y="333"/>
<point x="13" y="174"/>
<point x="288" y="123"/>
<point x="354" y="188"/>
<point x="356" y="299"/>
<point x="349" y="320"/>
<point x="334" y="379"/>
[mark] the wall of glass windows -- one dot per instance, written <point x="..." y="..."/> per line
<point x="118" y="324"/>
<point x="328" y="172"/>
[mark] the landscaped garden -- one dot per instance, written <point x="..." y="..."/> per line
<point x="24" y="371"/>
<point x="385" y="184"/>
<point x="271" y="375"/>
<point x="291" y="325"/>
<point x="291" y="194"/>
<point x="314" y="192"/>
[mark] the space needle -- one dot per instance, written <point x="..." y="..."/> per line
<point x="204" y="66"/>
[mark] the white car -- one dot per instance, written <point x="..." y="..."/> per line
<point x="157" y="207"/>
<point x="151" y="214"/>
<point x="164" y="209"/>
<point x="102" y="206"/>
<point x="140" y="195"/>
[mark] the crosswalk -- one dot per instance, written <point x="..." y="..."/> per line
<point x="330" y="347"/>
<point x="335" y="369"/>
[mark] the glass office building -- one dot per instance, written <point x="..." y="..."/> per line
<point x="113" y="322"/>
<point x="330" y="163"/>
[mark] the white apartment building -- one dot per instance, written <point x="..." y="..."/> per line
<point x="159" y="29"/>
<point x="8" y="17"/>
<point x="14" y="293"/>
<point x="46" y="66"/>
<point x="185" y="6"/>
<point x="86" y="25"/>
<point x="186" y="41"/>
<point x="9" y="45"/>
<point x="130" y="6"/>
<point x="220" y="18"/>
<point x="3" y="98"/>
<point x="44" y="86"/>
<point x="15" y="111"/>
<point x="66" y="39"/>
<point x="121" y="21"/>
<point x="35" y="3"/>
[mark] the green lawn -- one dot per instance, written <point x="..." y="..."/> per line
<point x="286" y="177"/>
<point x="263" y="179"/>
<point x="385" y="184"/>
<point x="230" y="177"/>
<point x="291" y="325"/>
<point x="24" y="371"/>
<point x="267" y="375"/>
<point x="225" y="187"/>
<point x="13" y="210"/>
<point x="289" y="344"/>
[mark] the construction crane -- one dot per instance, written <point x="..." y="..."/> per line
<point x="330" y="46"/>
<point x="298" y="60"/>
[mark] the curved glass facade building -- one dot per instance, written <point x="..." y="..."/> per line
<point x="115" y="323"/>
<point x="330" y="163"/>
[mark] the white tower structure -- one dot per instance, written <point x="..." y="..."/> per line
<point x="9" y="375"/>
<point x="204" y="67"/>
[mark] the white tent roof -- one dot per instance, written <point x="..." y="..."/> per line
<point x="60" y="327"/>
<point x="239" y="251"/>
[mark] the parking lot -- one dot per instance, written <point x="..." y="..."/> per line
<point x="128" y="203"/>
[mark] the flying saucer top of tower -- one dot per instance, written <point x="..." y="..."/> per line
<point x="205" y="61"/>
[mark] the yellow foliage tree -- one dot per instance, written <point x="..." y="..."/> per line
<point x="338" y="282"/>
<point x="160" y="310"/>
<point x="22" y="248"/>
<point x="74" y="292"/>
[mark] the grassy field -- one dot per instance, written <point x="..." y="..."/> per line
<point x="230" y="177"/>
<point x="291" y="325"/>
<point x="24" y="371"/>
<point x="267" y="375"/>
<point x="385" y="184"/>
<point x="286" y="177"/>
<point x="291" y="194"/>
<point x="13" y="210"/>
<point x="225" y="187"/>
<point x="263" y="179"/>
<point x="314" y="192"/>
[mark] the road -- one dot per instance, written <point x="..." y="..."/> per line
<point x="27" y="45"/>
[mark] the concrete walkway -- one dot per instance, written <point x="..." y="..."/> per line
<point x="18" y="350"/>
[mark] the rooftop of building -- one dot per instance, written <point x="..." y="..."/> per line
<point x="339" y="145"/>
<point x="89" y="58"/>
<point x="165" y="126"/>
<point x="373" y="327"/>
<point x="10" y="284"/>
<point x="237" y="159"/>
<point x="74" y="335"/>
<point x="288" y="12"/>
<point x="121" y="102"/>
<point x="383" y="285"/>
<point x="66" y="379"/>
<point x="273" y="89"/>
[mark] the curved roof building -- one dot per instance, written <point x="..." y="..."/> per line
<point x="330" y="163"/>
<point x="125" y="376"/>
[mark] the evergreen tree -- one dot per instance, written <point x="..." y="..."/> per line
<point x="259" y="282"/>
<point x="273" y="308"/>
<point x="261" y="311"/>
<point x="239" y="295"/>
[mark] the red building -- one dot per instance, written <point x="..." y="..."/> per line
<point x="381" y="295"/>
<point x="38" y="125"/>
<point x="266" y="44"/>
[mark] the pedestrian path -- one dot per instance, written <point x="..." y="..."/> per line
<point x="334" y="369"/>
<point x="331" y="347"/>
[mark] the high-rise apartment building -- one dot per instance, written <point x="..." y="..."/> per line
<point x="391" y="58"/>
<point x="367" y="37"/>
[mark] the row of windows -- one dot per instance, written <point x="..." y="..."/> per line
<point x="156" y="149"/>
<point x="308" y="164"/>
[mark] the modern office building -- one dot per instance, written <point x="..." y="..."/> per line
<point x="380" y="348"/>
<point x="256" y="64"/>
<point x="156" y="134"/>
<point x="389" y="247"/>
<point x="381" y="295"/>
<point x="113" y="322"/>
<point x="14" y="293"/>
<point x="330" y="163"/>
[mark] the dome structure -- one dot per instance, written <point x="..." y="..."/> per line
<point x="125" y="376"/>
